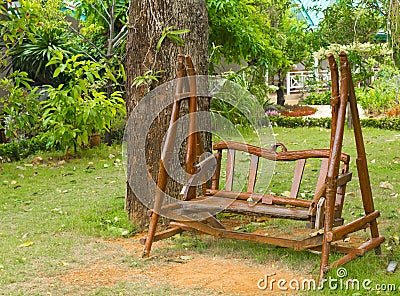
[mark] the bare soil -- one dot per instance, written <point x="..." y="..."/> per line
<point x="191" y="271"/>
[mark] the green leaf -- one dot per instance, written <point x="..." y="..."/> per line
<point x="57" y="72"/>
<point x="160" y="41"/>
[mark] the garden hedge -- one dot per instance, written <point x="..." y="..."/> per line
<point x="23" y="148"/>
<point x="390" y="123"/>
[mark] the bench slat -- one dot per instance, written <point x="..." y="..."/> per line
<point x="230" y="166"/>
<point x="298" y="174"/>
<point x="322" y="175"/>
<point x="252" y="173"/>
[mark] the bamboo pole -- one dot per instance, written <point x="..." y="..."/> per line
<point x="353" y="226"/>
<point x="162" y="177"/>
<point x="335" y="95"/>
<point x="333" y="168"/>
<point x="191" y="148"/>
<point x="361" y="161"/>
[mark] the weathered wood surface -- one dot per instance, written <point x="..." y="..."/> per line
<point x="324" y="211"/>
<point x="278" y="156"/>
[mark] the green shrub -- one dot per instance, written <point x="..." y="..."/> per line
<point x="390" y="123"/>
<point x="314" y="98"/>
<point x="21" y="149"/>
<point x="382" y="94"/>
<point x="293" y="122"/>
<point x="20" y="115"/>
<point x="79" y="108"/>
<point x="249" y="81"/>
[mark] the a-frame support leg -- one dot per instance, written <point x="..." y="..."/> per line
<point x="361" y="161"/>
<point x="347" y="93"/>
<point x="162" y="177"/>
<point x="333" y="167"/>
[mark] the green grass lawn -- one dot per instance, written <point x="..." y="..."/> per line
<point x="56" y="216"/>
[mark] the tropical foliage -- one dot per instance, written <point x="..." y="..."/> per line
<point x="350" y="21"/>
<point x="20" y="115"/>
<point x="80" y="108"/>
<point x="32" y="34"/>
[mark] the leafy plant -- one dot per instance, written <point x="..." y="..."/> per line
<point x="17" y="150"/>
<point x="383" y="93"/>
<point x="147" y="78"/>
<point x="172" y="35"/>
<point x="389" y="123"/>
<point x="33" y="56"/>
<point x="80" y="107"/>
<point x="317" y="98"/>
<point x="248" y="81"/>
<point x="31" y="35"/>
<point x="347" y="21"/>
<point x="20" y="115"/>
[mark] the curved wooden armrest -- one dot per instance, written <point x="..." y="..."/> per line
<point x="202" y="167"/>
<point x="278" y="156"/>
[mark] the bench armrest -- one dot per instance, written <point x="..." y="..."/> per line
<point x="204" y="166"/>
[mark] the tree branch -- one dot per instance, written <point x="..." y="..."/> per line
<point x="87" y="40"/>
<point x="105" y="19"/>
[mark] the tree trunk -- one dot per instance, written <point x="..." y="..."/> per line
<point x="280" y="100"/>
<point x="147" y="21"/>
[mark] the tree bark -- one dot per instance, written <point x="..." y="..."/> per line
<point x="280" y="100"/>
<point x="147" y="20"/>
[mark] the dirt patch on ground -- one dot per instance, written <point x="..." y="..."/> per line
<point x="191" y="271"/>
<point x="101" y="274"/>
<point x="222" y="276"/>
<point x="184" y="270"/>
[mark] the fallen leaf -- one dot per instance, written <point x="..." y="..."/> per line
<point x="37" y="160"/>
<point x="386" y="185"/>
<point x="63" y="263"/>
<point x="26" y="244"/>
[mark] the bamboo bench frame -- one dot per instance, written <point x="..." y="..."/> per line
<point x="323" y="212"/>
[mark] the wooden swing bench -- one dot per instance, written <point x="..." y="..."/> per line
<point x="323" y="213"/>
